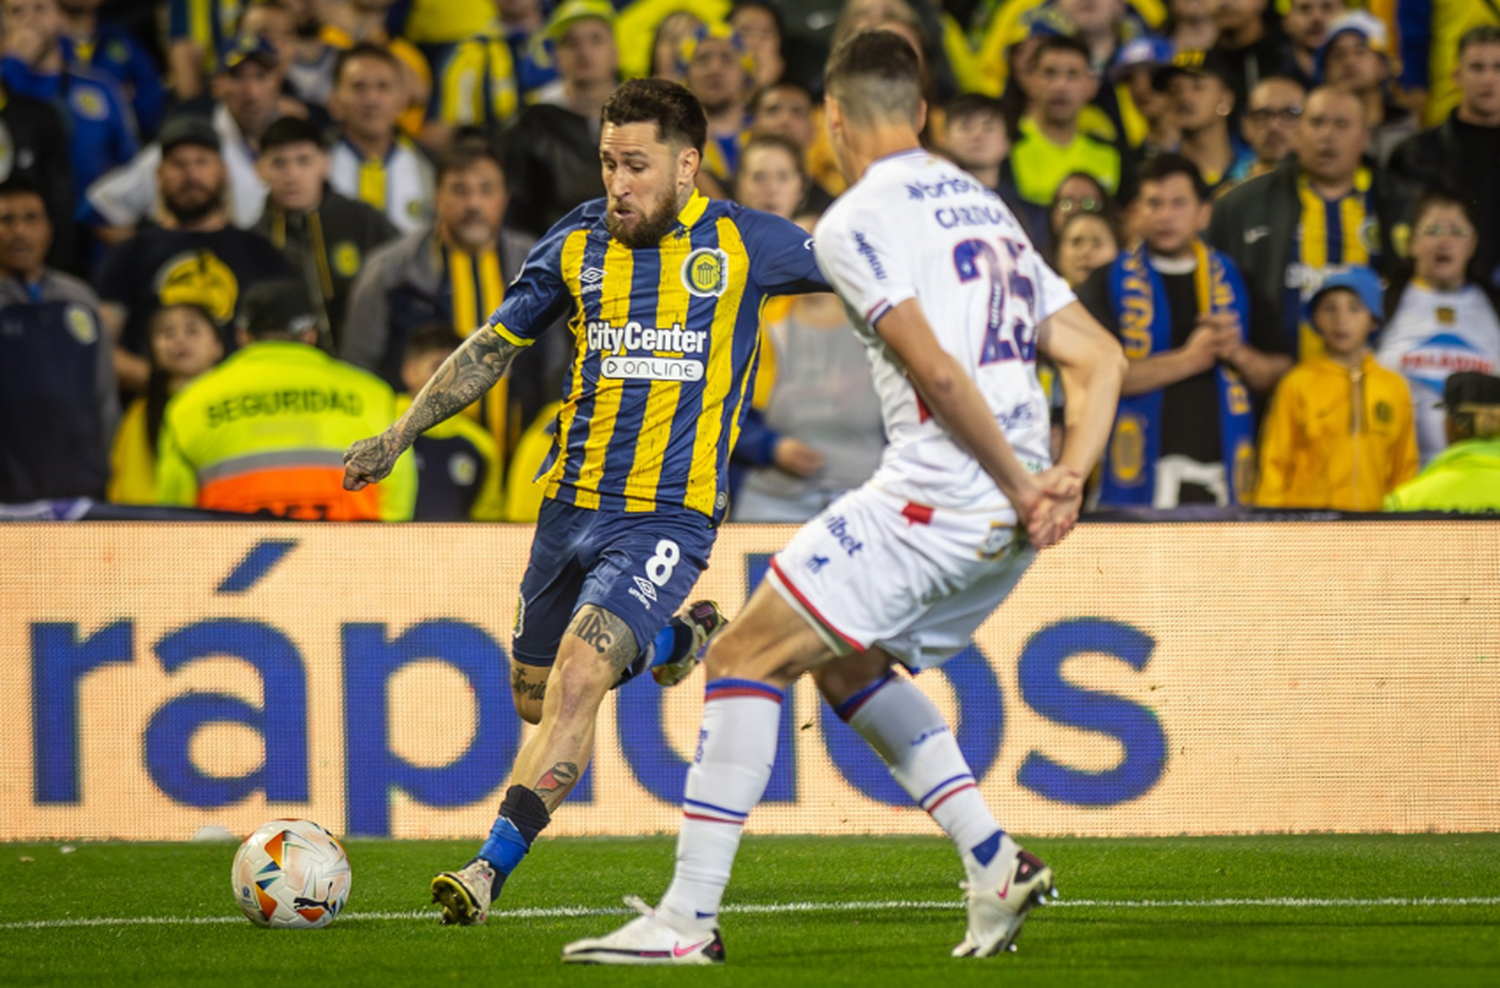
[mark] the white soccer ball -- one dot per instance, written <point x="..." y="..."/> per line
<point x="291" y="875"/>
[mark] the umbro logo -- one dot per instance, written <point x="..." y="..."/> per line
<point x="646" y="587"/>
<point x="592" y="280"/>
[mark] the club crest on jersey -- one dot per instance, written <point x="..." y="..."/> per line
<point x="705" y="273"/>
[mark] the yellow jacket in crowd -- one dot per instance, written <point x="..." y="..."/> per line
<point x="1463" y="477"/>
<point x="132" y="462"/>
<point x="1337" y="438"/>
<point x="266" y="430"/>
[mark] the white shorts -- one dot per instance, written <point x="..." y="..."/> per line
<point x="873" y="569"/>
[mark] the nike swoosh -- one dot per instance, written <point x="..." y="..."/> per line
<point x="1005" y="888"/>
<point x="684" y="951"/>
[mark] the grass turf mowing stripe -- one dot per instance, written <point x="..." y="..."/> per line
<point x="571" y="912"/>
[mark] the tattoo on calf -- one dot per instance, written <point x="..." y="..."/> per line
<point x="527" y="690"/>
<point x="559" y="777"/>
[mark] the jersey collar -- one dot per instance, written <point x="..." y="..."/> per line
<point x="693" y="211"/>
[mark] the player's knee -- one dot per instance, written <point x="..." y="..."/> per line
<point x="727" y="659"/>
<point x="580" y="680"/>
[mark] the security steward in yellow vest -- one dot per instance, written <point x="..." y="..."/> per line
<point x="266" y="430"/>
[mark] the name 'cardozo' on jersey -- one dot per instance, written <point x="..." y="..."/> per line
<point x="916" y="226"/>
<point x="666" y="342"/>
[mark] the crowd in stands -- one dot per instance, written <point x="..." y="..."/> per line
<point x="237" y="234"/>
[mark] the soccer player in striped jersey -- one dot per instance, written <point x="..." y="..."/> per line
<point x="662" y="288"/>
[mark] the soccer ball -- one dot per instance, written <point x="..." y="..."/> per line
<point x="291" y="875"/>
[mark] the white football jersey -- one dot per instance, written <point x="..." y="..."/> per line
<point x="1433" y="334"/>
<point x="916" y="226"/>
<point x="401" y="186"/>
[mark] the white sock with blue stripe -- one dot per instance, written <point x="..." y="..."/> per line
<point x="909" y="734"/>
<point x="736" y="748"/>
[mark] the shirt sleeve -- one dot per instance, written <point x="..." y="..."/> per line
<point x="176" y="480"/>
<point x="860" y="260"/>
<point x="539" y="294"/>
<point x="782" y="258"/>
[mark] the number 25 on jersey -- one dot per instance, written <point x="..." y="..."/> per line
<point x="1004" y="339"/>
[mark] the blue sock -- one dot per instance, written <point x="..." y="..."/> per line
<point x="523" y="815"/>
<point x="671" y="643"/>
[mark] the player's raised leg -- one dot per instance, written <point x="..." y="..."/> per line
<point x="749" y="667"/>
<point x="908" y="732"/>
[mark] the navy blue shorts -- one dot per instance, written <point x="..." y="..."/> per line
<point x="637" y="566"/>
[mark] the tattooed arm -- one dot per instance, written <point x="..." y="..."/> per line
<point x="465" y="376"/>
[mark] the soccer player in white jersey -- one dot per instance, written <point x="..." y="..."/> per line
<point x="953" y="302"/>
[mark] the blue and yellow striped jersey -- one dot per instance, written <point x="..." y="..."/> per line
<point x="667" y="343"/>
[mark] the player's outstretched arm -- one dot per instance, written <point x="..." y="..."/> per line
<point x="1093" y="369"/>
<point x="465" y="376"/>
<point x="956" y="403"/>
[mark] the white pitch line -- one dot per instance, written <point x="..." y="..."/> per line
<point x="764" y="908"/>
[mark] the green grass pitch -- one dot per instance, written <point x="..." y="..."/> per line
<point x="1415" y="911"/>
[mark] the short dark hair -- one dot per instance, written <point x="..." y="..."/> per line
<point x="290" y="130"/>
<point x="875" y="75"/>
<point x="678" y="115"/>
<point x="1063" y="43"/>
<point x="364" y="49"/>
<point x="973" y="105"/>
<point x="1484" y="34"/>
<point x="19" y="185"/>
<point x="467" y="151"/>
<point x="764" y="91"/>
<point x="1161" y="167"/>
<point x="432" y="337"/>
<point x="1435" y="196"/>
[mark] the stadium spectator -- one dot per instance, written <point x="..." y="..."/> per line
<point x="1339" y="431"/>
<point x="197" y="31"/>
<point x="1184" y="433"/>
<point x="1442" y="319"/>
<point x="325" y="236"/>
<point x="976" y="137"/>
<point x="1466" y="475"/>
<point x="101" y="128"/>
<point x="454" y="273"/>
<point x="1249" y="47"/>
<point x="1319" y="210"/>
<point x="1134" y="70"/>
<point x="248" y="90"/>
<point x="1086" y="242"/>
<point x="818" y="404"/>
<point x="759" y="27"/>
<point x="184" y="343"/>
<point x="265" y="431"/>
<point x="476" y="87"/>
<point x="718" y="70"/>
<point x="1270" y="123"/>
<point x="1202" y="104"/>
<point x="786" y="110"/>
<point x="364" y="22"/>
<point x="532" y="49"/>
<point x="552" y="160"/>
<point x="38" y="144"/>
<point x="295" y="29"/>
<point x="111" y="50"/>
<point x="771" y="180"/>
<point x="1306" y="24"/>
<point x="1050" y="144"/>
<point x="666" y="46"/>
<point x="1190" y="26"/>
<point x="1078" y="193"/>
<point x="1460" y="153"/>
<point x="1354" y="58"/>
<point x="371" y="160"/>
<point x="194" y="256"/>
<point x="1431" y="33"/>
<point x="459" y="472"/>
<point x="58" y="405"/>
